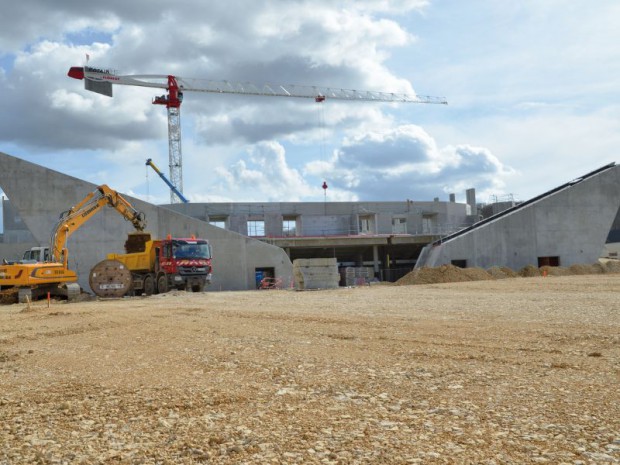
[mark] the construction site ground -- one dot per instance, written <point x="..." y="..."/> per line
<point x="506" y="371"/>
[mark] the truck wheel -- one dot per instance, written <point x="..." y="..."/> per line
<point x="198" y="287"/>
<point x="162" y="284"/>
<point x="149" y="285"/>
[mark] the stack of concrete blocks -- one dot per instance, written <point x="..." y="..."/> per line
<point x="315" y="273"/>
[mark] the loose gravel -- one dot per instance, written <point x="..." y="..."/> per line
<point x="509" y="371"/>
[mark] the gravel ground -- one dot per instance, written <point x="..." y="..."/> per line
<point x="513" y="371"/>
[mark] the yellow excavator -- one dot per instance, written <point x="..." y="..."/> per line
<point x="23" y="280"/>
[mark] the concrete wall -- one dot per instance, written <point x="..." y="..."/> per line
<point x="571" y="223"/>
<point x="15" y="250"/>
<point x="333" y="218"/>
<point x="15" y="231"/>
<point x="47" y="193"/>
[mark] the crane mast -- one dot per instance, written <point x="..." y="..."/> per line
<point x="101" y="80"/>
<point x="172" y="100"/>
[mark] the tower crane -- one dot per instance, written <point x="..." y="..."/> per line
<point x="101" y="80"/>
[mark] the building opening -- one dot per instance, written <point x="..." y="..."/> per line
<point x="264" y="277"/>
<point x="256" y="228"/>
<point x="548" y="261"/>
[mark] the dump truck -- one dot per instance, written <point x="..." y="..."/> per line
<point x="34" y="277"/>
<point x="153" y="266"/>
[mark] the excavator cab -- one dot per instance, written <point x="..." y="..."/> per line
<point x="36" y="255"/>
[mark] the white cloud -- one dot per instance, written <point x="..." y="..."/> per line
<point x="547" y="145"/>
<point x="406" y="163"/>
<point x="398" y="164"/>
<point x="531" y="85"/>
<point x="266" y="175"/>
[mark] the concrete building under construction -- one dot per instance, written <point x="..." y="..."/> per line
<point x="385" y="237"/>
<point x="564" y="226"/>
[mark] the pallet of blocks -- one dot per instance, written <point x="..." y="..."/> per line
<point x="315" y="273"/>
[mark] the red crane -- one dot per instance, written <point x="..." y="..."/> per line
<point x="101" y="81"/>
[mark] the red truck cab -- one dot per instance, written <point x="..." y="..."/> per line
<point x="183" y="263"/>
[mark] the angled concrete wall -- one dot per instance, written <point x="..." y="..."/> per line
<point x="571" y="223"/>
<point x="39" y="195"/>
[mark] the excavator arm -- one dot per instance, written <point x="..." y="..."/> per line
<point x="71" y="220"/>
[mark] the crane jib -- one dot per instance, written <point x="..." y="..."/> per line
<point x="101" y="81"/>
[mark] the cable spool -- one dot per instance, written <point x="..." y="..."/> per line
<point x="110" y="278"/>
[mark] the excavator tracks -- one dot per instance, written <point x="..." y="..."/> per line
<point x="70" y="291"/>
<point x="8" y="296"/>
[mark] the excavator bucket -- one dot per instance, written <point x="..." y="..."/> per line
<point x="136" y="242"/>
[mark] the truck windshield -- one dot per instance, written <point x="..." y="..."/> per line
<point x="192" y="251"/>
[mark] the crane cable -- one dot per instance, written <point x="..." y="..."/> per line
<point x="323" y="143"/>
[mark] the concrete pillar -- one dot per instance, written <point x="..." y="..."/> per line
<point x="471" y="200"/>
<point x="375" y="259"/>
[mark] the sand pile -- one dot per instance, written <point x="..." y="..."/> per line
<point x="612" y="266"/>
<point x="443" y="274"/>
<point x="453" y="274"/>
<point x="501" y="272"/>
<point x="554" y="271"/>
<point x="529" y="271"/>
<point x="476" y="274"/>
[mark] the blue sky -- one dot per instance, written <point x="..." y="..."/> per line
<point x="532" y="87"/>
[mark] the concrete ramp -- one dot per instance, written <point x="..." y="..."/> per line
<point x="40" y="194"/>
<point x="565" y="226"/>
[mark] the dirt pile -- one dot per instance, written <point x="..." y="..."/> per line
<point x="453" y="274"/>
<point x="580" y="269"/>
<point x="554" y="271"/>
<point x="443" y="274"/>
<point x="529" y="271"/>
<point x="612" y="266"/>
<point x="501" y="272"/>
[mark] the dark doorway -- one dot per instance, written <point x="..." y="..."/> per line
<point x="548" y="261"/>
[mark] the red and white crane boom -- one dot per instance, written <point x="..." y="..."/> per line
<point x="101" y="81"/>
